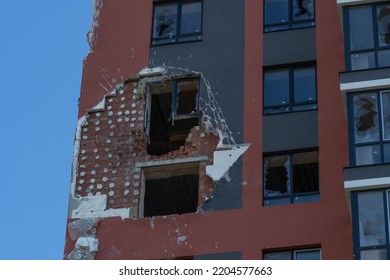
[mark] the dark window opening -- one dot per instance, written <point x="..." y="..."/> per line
<point x="172" y="114"/>
<point x="292" y="178"/>
<point x="177" y="21"/>
<point x="367" y="29"/>
<point x="305" y="254"/>
<point x="290" y="89"/>
<point x="288" y="14"/>
<point x="369" y="127"/>
<point x="171" y="189"/>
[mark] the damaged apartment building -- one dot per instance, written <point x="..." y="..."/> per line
<point x="233" y="129"/>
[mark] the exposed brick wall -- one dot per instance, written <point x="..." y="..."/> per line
<point x="113" y="140"/>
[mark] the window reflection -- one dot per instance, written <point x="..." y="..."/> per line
<point x="366" y="118"/>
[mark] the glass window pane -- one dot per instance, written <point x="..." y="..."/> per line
<point x="379" y="254"/>
<point x="277" y="175"/>
<point x="364" y="60"/>
<point x="368" y="155"/>
<point x="286" y="255"/>
<point x="164" y="23"/>
<point x="365" y="112"/>
<point x="383" y="23"/>
<point x="303" y="9"/>
<point x="305" y="172"/>
<point x="276" y="87"/>
<point x="187" y="97"/>
<point x="361" y="28"/>
<point x="276" y="11"/>
<point x="308" y="255"/>
<point x="383" y="58"/>
<point x="386" y="153"/>
<point x="371" y="218"/>
<point x="386" y="115"/>
<point x="304" y="84"/>
<point x="191" y="17"/>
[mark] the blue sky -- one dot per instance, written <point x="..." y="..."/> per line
<point x="42" y="45"/>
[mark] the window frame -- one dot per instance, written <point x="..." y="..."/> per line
<point x="291" y="22"/>
<point x="293" y="253"/>
<point x="351" y="130"/>
<point x="289" y="107"/>
<point x="178" y="37"/>
<point x="356" y="225"/>
<point x="293" y="197"/>
<point x="347" y="31"/>
<point x="158" y="170"/>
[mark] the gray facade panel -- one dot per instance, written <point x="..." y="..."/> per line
<point x="366" y="172"/>
<point x="365" y="75"/>
<point x="290" y="131"/>
<point x="291" y="46"/>
<point x="219" y="58"/>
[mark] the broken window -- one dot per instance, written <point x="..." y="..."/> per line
<point x="367" y="29"/>
<point x="305" y="254"/>
<point x="370" y="221"/>
<point x="171" y="189"/>
<point x="290" y="89"/>
<point x="172" y="112"/>
<point x="177" y="21"/>
<point x="288" y="14"/>
<point x="369" y="115"/>
<point x="291" y="178"/>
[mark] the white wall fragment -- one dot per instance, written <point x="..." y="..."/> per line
<point x="223" y="160"/>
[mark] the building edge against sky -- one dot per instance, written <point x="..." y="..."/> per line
<point x="230" y="129"/>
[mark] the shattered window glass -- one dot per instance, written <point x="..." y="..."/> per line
<point x="292" y="178"/>
<point x="371" y="218"/>
<point x="369" y="116"/>
<point x="288" y="14"/>
<point x="386" y="115"/>
<point x="366" y="125"/>
<point x="165" y="16"/>
<point x="383" y="24"/>
<point x="177" y="22"/>
<point x="277" y="174"/>
<point x="303" y="9"/>
<point x="370" y="221"/>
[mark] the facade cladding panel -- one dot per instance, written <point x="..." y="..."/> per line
<point x="199" y="65"/>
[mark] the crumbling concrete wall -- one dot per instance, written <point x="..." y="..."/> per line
<point x="112" y="140"/>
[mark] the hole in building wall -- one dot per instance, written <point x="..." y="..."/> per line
<point x="173" y="112"/>
<point x="171" y="189"/>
